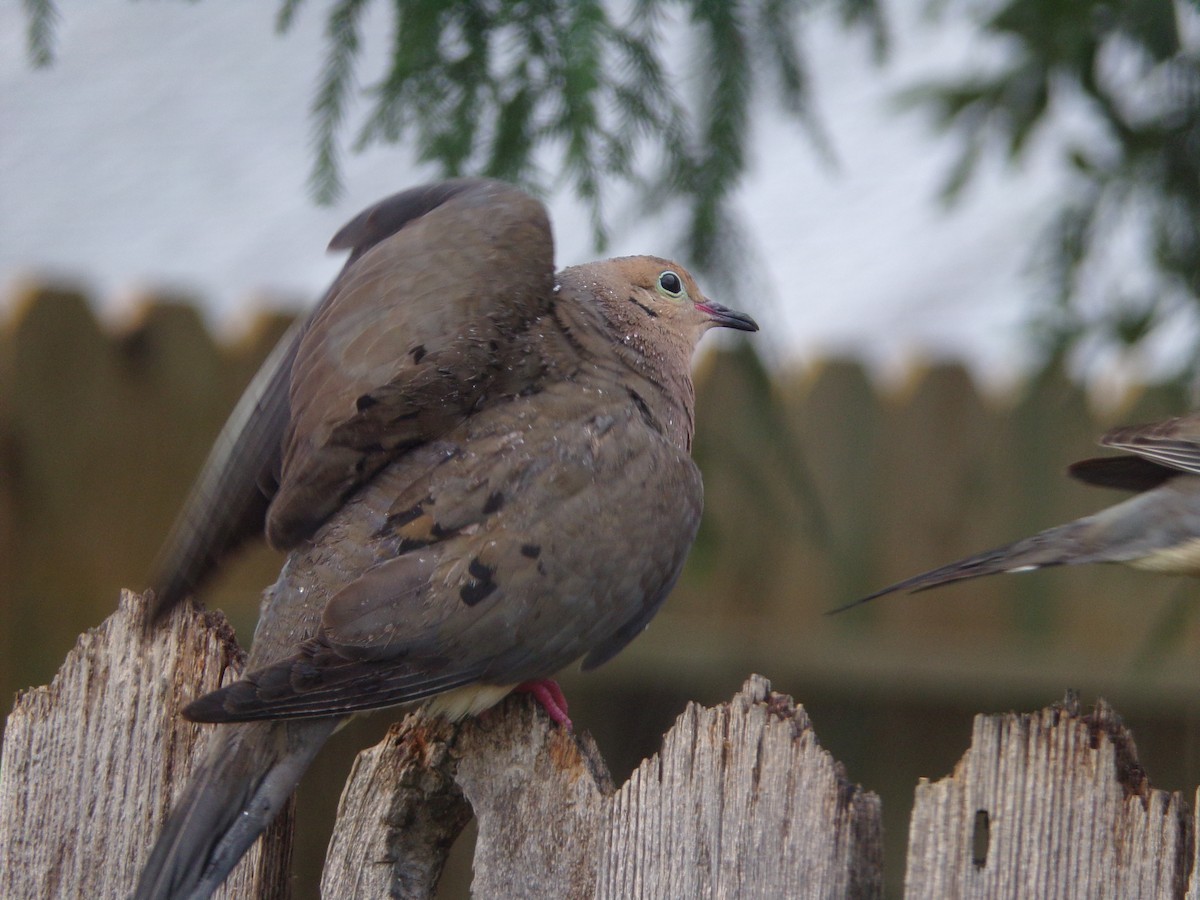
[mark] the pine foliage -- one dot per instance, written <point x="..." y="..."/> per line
<point x="661" y="95"/>
<point x="1133" y="71"/>
<point x="544" y="92"/>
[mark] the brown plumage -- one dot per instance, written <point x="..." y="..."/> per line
<point x="1158" y="529"/>
<point x="482" y="473"/>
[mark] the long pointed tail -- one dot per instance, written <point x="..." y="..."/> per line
<point x="1156" y="530"/>
<point x="248" y="775"/>
<point x="1052" y="547"/>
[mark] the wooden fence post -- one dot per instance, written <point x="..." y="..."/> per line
<point x="1193" y="892"/>
<point x="740" y="802"/>
<point x="1053" y="804"/>
<point x="93" y="761"/>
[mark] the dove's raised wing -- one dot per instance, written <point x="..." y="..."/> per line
<point x="415" y="332"/>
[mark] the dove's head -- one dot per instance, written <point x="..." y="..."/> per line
<point x="653" y="302"/>
<point x="650" y="314"/>
<point x="666" y="294"/>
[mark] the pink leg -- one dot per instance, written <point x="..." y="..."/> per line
<point x="547" y="693"/>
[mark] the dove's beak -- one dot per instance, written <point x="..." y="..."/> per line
<point x="725" y="317"/>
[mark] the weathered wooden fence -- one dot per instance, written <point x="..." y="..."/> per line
<point x="741" y="800"/>
<point x="819" y="487"/>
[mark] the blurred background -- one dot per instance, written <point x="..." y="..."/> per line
<point x="971" y="233"/>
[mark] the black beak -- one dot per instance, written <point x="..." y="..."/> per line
<point x="726" y="317"/>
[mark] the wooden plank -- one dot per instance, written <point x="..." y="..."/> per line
<point x="750" y="486"/>
<point x="92" y="762"/>
<point x="936" y="501"/>
<point x="1194" y="877"/>
<point x="101" y="433"/>
<point x="1048" y="805"/>
<point x="741" y="802"/>
<point x="9" y="609"/>
<point x="398" y="816"/>
<point x="834" y="547"/>
<point x="62" y="395"/>
<point x="539" y="795"/>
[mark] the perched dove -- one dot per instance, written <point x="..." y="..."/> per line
<point x="1158" y="529"/>
<point x="482" y="473"/>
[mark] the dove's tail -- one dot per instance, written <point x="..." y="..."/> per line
<point x="246" y="778"/>
<point x="1052" y="547"/>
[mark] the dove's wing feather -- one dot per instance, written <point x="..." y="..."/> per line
<point x="423" y="330"/>
<point x="401" y="298"/>
<point x="492" y="571"/>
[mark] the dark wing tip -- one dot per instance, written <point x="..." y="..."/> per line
<point x="175" y="573"/>
<point x="316" y="683"/>
<point x="160" y="602"/>
<point x="173" y="580"/>
<point x="1125" y="473"/>
<point x="263" y="694"/>
<point x="837" y="610"/>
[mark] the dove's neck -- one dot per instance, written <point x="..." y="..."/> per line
<point x="653" y="369"/>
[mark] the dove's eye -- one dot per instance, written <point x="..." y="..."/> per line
<point x="670" y="284"/>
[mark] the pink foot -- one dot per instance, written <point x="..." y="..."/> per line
<point x="547" y="693"/>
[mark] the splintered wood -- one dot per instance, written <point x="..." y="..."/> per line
<point x="399" y="814"/>
<point x="1049" y="805"/>
<point x="741" y="802"/>
<point x="93" y="761"/>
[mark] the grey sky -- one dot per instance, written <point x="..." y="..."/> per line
<point x="169" y="145"/>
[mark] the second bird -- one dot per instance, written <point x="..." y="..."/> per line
<point x="1157" y="530"/>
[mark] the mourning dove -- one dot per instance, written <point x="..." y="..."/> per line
<point x="1157" y="530"/>
<point x="482" y="473"/>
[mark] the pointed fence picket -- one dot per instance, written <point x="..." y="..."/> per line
<point x="741" y="800"/>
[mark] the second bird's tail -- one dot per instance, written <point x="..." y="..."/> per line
<point x="1052" y="547"/>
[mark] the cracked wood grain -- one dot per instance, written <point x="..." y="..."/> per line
<point x="92" y="762"/>
<point x="1049" y="804"/>
<point x="741" y="802"/>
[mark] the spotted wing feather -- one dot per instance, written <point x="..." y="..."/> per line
<point x="496" y="577"/>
